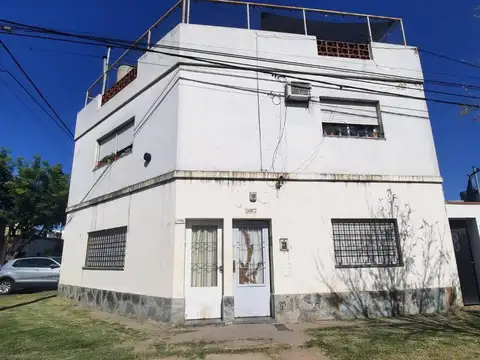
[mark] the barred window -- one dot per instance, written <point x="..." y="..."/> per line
<point x="106" y="249"/>
<point x="366" y="242"/>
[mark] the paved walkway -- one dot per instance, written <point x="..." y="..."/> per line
<point x="266" y="341"/>
<point x="237" y="341"/>
<point x="232" y="342"/>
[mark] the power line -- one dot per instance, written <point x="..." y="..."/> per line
<point x="268" y="71"/>
<point x="128" y="44"/>
<point x="463" y="62"/>
<point x="37" y="102"/>
<point x="306" y="73"/>
<point x="36" y="88"/>
<point x="21" y="101"/>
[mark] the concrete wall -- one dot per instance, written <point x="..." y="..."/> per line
<point x="211" y="119"/>
<point x="471" y="212"/>
<point x="199" y="118"/>
<point x="302" y="212"/>
<point x="155" y="111"/>
<point x="220" y="112"/>
<point x="149" y="216"/>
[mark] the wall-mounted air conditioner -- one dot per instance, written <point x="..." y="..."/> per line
<point x="298" y="91"/>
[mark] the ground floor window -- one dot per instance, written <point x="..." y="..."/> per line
<point x="106" y="249"/>
<point x="366" y="242"/>
<point x="204" y="256"/>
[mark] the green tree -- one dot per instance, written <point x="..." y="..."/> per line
<point x="6" y="200"/>
<point x="35" y="194"/>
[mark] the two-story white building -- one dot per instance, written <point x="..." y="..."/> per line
<point x="281" y="165"/>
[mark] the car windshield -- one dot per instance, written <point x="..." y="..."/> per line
<point x="57" y="259"/>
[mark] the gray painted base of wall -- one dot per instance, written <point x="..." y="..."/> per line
<point x="228" y="309"/>
<point x="142" y="307"/>
<point x="361" y="304"/>
<point x="287" y="308"/>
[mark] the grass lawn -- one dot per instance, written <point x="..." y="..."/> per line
<point x="41" y="326"/>
<point x="52" y="329"/>
<point x="455" y="336"/>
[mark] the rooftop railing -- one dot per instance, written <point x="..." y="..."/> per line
<point x="338" y="33"/>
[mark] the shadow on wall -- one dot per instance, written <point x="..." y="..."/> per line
<point x="417" y="286"/>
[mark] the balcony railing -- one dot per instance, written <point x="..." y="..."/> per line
<point x="340" y="34"/>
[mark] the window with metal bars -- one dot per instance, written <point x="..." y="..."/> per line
<point x="366" y="243"/>
<point x="106" y="249"/>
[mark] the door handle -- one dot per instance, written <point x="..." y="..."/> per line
<point x="233" y="265"/>
<point x="220" y="268"/>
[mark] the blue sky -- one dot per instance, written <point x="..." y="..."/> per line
<point x="63" y="71"/>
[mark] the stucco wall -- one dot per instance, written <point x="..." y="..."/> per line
<point x="155" y="112"/>
<point x="149" y="216"/>
<point x="232" y="111"/>
<point x="302" y="212"/>
<point x="210" y="119"/>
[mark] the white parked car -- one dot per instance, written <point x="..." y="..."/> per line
<point x="43" y="272"/>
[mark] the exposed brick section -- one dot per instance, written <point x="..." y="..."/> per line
<point x="119" y="86"/>
<point x="343" y="49"/>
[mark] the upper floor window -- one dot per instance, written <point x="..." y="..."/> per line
<point x="115" y="144"/>
<point x="351" y="118"/>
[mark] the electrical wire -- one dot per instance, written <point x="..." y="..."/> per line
<point x="115" y="41"/>
<point x="469" y="96"/>
<point x="445" y="57"/>
<point x="36" y="88"/>
<point x="70" y="136"/>
<point x="21" y="101"/>
<point x="287" y="71"/>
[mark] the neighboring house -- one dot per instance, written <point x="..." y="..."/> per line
<point x="39" y="246"/>
<point x="210" y="190"/>
<point x="464" y="219"/>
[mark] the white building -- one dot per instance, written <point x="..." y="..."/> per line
<point x="201" y="189"/>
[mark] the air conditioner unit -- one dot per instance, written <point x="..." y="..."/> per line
<point x="298" y="91"/>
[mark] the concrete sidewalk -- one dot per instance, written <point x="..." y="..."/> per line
<point x="262" y="341"/>
<point x="251" y="341"/>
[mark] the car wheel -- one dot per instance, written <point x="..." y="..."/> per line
<point x="6" y="286"/>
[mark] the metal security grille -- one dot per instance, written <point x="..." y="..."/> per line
<point x="106" y="249"/>
<point x="366" y="243"/>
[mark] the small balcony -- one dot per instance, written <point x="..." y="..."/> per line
<point x="338" y="34"/>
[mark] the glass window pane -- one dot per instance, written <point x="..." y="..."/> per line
<point x="251" y="264"/>
<point x="106" y="147"/>
<point x="43" y="263"/>
<point x="125" y="137"/>
<point x="204" y="256"/>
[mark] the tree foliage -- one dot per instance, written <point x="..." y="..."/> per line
<point x="6" y="176"/>
<point x="33" y="196"/>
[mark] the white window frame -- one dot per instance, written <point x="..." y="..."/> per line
<point x="380" y="133"/>
<point x="116" y="132"/>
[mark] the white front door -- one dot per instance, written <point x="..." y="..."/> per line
<point x="252" y="269"/>
<point x="203" y="271"/>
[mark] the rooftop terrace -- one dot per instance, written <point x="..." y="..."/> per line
<point x="339" y="34"/>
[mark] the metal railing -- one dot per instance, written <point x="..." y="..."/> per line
<point x="302" y="13"/>
<point x="146" y="36"/>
